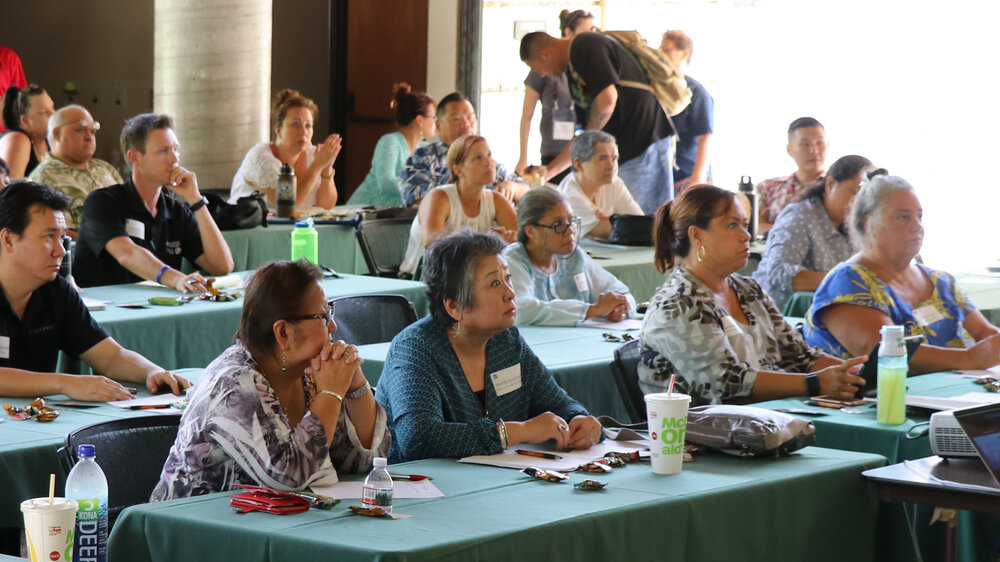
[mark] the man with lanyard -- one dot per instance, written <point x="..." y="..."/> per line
<point x="41" y="313"/>
<point x="600" y="65"/>
<point x="133" y="231"/>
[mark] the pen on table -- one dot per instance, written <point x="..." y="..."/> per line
<point x="413" y="477"/>
<point x="538" y="454"/>
<point x="150" y="407"/>
<point x="823" y="404"/>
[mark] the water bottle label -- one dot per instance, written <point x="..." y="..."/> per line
<point x="376" y="497"/>
<point x="91" y="537"/>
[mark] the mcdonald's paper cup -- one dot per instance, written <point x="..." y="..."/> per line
<point x="667" y="416"/>
<point x="49" y="528"/>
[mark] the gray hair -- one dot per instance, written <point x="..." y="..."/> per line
<point x="450" y="267"/>
<point x="533" y="206"/>
<point x="55" y="120"/>
<point x="867" y="209"/>
<point x="585" y="144"/>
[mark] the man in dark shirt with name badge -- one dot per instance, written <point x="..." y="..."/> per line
<point x="41" y="313"/>
<point x="133" y="231"/>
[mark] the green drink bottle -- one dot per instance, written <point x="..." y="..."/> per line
<point x="305" y="241"/>
<point x="892" y="371"/>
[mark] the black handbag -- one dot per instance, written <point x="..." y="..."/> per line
<point x="631" y="230"/>
<point x="247" y="212"/>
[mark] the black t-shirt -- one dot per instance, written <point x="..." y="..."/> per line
<point x="55" y="319"/>
<point x="118" y="210"/>
<point x="638" y="120"/>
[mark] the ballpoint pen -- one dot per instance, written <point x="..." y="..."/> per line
<point x="151" y="407"/>
<point x="412" y="477"/>
<point x="538" y="454"/>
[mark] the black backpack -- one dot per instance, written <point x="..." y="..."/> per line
<point x="248" y="212"/>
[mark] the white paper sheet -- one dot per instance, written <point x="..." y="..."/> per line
<point x="94" y="304"/>
<point x="570" y="459"/>
<point x="966" y="400"/>
<point x="401" y="489"/>
<point x="603" y="323"/>
<point x="167" y="398"/>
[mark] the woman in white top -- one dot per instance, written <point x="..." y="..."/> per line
<point x="463" y="203"/>
<point x="293" y="117"/>
<point x="594" y="190"/>
<point x="556" y="283"/>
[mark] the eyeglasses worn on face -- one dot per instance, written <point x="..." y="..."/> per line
<point x="326" y="316"/>
<point x="561" y="227"/>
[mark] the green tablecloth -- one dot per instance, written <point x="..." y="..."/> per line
<point x="718" y="508"/>
<point x="253" y="247"/>
<point x="579" y="359"/>
<point x="192" y="335"/>
<point x="631" y="265"/>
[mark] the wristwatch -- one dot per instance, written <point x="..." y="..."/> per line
<point x="199" y="204"/>
<point x="359" y="392"/>
<point x="812" y="385"/>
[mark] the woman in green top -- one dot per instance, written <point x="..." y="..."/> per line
<point x="415" y="118"/>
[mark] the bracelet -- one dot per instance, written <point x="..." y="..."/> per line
<point x="159" y="276"/>
<point x="332" y="393"/>
<point x="359" y="392"/>
<point x="502" y="430"/>
<point x="812" y="385"/>
<point x="199" y="204"/>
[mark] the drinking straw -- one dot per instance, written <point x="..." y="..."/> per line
<point x="52" y="487"/>
<point x="670" y="388"/>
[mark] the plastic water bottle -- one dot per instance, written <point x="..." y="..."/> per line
<point x="746" y="188"/>
<point x="377" y="491"/>
<point x="286" y="191"/>
<point x="892" y="370"/>
<point x="305" y="241"/>
<point x="87" y="485"/>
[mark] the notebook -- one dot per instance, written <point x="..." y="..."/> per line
<point x="982" y="425"/>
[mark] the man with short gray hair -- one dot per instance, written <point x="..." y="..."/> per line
<point x="70" y="166"/>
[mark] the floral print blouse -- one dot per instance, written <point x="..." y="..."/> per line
<point x="234" y="431"/>
<point x="715" y="357"/>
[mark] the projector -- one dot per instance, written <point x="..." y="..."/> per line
<point x="948" y="439"/>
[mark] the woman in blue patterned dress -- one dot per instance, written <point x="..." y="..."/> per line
<point x="880" y="285"/>
<point x="461" y="381"/>
<point x="716" y="330"/>
<point x="282" y="407"/>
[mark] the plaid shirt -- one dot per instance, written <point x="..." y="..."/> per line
<point x="775" y="194"/>
<point x="427" y="168"/>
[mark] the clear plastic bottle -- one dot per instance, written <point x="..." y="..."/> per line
<point x="87" y="485"/>
<point x="892" y="369"/>
<point x="305" y="241"/>
<point x="377" y="491"/>
<point x="286" y="191"/>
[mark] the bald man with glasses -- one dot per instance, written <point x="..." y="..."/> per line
<point x="70" y="166"/>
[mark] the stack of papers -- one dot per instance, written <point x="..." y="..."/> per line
<point x="569" y="460"/>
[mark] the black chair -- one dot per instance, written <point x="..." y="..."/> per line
<point x="625" y="368"/>
<point x="130" y="451"/>
<point x="364" y="319"/>
<point x="396" y="213"/>
<point x="383" y="243"/>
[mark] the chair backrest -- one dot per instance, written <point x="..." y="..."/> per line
<point x="625" y="368"/>
<point x="383" y="243"/>
<point x="364" y="319"/>
<point x="130" y="451"/>
<point x="396" y="213"/>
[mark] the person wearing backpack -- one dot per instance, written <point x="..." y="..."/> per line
<point x="610" y="85"/>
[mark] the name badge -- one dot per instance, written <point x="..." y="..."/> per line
<point x="135" y="229"/>
<point x="927" y="315"/>
<point x="581" y="282"/>
<point x="506" y="380"/>
<point x="563" y="130"/>
<point x="4" y="347"/>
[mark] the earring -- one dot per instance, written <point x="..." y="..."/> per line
<point x="456" y="329"/>
<point x="283" y="369"/>
<point x="701" y="253"/>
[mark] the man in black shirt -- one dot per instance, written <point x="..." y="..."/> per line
<point x="41" y="313"/>
<point x="632" y="115"/>
<point x="133" y="231"/>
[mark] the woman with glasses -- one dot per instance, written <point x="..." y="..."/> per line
<point x="461" y="381"/>
<point x="292" y="118"/>
<point x="594" y="190"/>
<point x="284" y="406"/>
<point x="415" y="121"/>
<point x="465" y="202"/>
<point x="717" y="331"/>
<point x="26" y="115"/>
<point x="556" y="283"/>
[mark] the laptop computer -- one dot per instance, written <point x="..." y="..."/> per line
<point x="870" y="369"/>
<point x="982" y="426"/>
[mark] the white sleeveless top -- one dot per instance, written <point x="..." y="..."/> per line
<point x="457" y="219"/>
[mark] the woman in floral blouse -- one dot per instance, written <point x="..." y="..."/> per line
<point x="716" y="330"/>
<point x="284" y="406"/>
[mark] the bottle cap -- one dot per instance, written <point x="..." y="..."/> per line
<point x="892" y="341"/>
<point x="379" y="462"/>
<point x="286" y="170"/>
<point x="304" y="223"/>
<point x="86" y="451"/>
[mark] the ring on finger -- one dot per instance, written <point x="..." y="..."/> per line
<point x="562" y="427"/>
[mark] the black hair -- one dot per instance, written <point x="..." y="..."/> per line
<point x="803" y="123"/>
<point x="530" y="44"/>
<point x="16" y="103"/>
<point x="17" y="199"/>
<point x="408" y="104"/>
<point x="450" y="98"/>
<point x="845" y="168"/>
<point x="137" y="130"/>
<point x="450" y="266"/>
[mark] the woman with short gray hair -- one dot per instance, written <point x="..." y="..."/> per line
<point x="881" y="285"/>
<point x="556" y="283"/>
<point x="446" y="393"/>
<point x="594" y="190"/>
